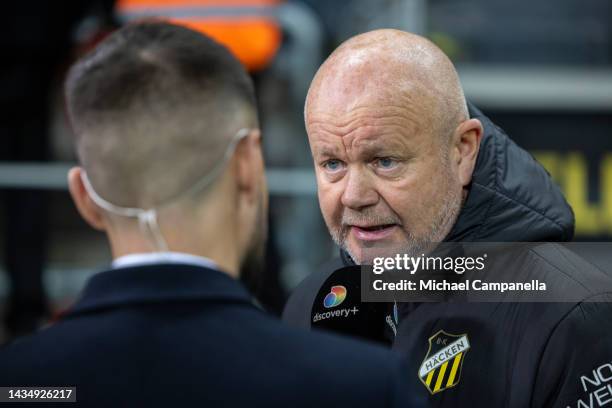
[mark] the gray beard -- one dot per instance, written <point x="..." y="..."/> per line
<point x="443" y="222"/>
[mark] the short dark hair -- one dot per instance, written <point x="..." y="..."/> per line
<point x="146" y="97"/>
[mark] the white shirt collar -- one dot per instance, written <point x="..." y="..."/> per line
<point x="151" y="258"/>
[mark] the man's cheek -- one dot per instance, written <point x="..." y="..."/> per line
<point x="331" y="210"/>
<point x="402" y="203"/>
<point x="330" y="195"/>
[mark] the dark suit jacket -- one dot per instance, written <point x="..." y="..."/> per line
<point x="181" y="335"/>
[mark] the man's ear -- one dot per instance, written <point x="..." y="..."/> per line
<point x="249" y="164"/>
<point x="467" y="144"/>
<point x="86" y="207"/>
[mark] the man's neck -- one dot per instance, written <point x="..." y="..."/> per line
<point x="221" y="262"/>
<point x="212" y="238"/>
<point x="151" y="258"/>
<point x="218" y="251"/>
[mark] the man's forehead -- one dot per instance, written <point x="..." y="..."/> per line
<point x="345" y="96"/>
<point x="368" y="116"/>
<point x="342" y="90"/>
<point x="366" y="144"/>
<point x="367" y="126"/>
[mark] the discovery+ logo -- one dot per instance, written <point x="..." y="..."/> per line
<point x="335" y="297"/>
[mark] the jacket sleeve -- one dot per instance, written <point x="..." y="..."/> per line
<point x="576" y="366"/>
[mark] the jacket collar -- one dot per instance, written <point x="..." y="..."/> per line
<point x="158" y="283"/>
<point x="512" y="198"/>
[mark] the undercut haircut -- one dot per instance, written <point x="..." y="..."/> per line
<point x="154" y="108"/>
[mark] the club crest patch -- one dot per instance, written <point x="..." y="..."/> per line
<point x="441" y="368"/>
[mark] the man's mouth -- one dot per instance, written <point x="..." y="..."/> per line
<point x="372" y="232"/>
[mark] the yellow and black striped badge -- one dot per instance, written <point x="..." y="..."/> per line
<point x="441" y="368"/>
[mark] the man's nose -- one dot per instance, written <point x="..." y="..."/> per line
<point x="358" y="192"/>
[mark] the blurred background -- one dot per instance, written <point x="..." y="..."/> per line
<point x="541" y="69"/>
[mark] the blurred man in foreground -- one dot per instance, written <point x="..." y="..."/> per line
<point x="402" y="162"/>
<point x="172" y="171"/>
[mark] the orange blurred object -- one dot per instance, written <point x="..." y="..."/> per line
<point x="246" y="27"/>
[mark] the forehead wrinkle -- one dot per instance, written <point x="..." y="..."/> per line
<point x="393" y="134"/>
<point x="327" y="149"/>
<point x="387" y="142"/>
<point x="339" y="106"/>
<point x="365" y="117"/>
<point x="365" y="141"/>
<point x="366" y="146"/>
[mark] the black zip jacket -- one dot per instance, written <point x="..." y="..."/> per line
<point x="498" y="354"/>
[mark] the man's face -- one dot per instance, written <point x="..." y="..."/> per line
<point x="385" y="180"/>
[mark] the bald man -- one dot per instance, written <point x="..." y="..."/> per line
<point x="171" y="170"/>
<point x="399" y="112"/>
<point x="402" y="161"/>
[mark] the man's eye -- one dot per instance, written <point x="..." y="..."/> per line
<point x="386" y="163"/>
<point x="332" y="165"/>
